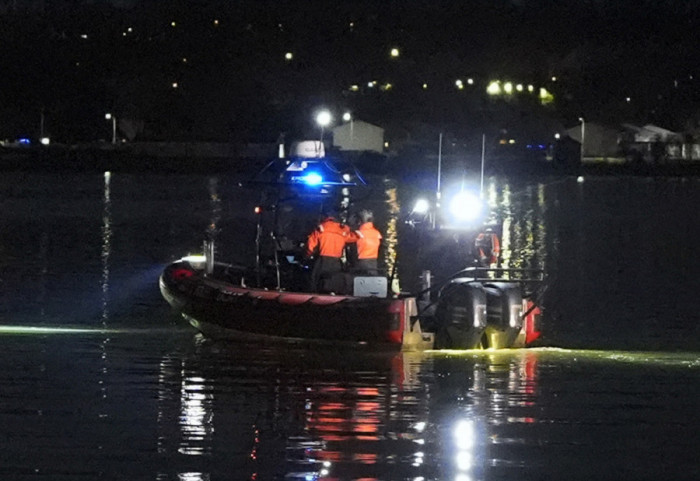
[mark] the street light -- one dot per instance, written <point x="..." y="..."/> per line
<point x="113" y="118"/>
<point x="323" y="119"/>
<point x="583" y="135"/>
<point x="347" y="117"/>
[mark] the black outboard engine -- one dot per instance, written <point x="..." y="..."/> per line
<point x="504" y="319"/>
<point x="461" y="315"/>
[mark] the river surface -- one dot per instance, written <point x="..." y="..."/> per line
<point x="100" y="379"/>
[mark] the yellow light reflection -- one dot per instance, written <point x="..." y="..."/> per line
<point x="52" y="330"/>
<point x="647" y="358"/>
<point x="391" y="234"/>
<point x="106" y="245"/>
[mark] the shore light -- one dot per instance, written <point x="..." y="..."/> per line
<point x="394" y="52"/>
<point x="347" y="116"/>
<point x="113" y="118"/>
<point x="494" y="88"/>
<point x="323" y="118"/>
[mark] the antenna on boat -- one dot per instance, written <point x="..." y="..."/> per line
<point x="258" y="234"/>
<point x="439" y="174"/>
<point x="209" y="256"/>
<point x="483" y="149"/>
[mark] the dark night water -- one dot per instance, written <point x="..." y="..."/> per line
<point x="101" y="381"/>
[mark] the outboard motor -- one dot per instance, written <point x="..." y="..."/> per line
<point x="504" y="320"/>
<point x="461" y="315"/>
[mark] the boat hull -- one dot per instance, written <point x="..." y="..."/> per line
<point x="222" y="309"/>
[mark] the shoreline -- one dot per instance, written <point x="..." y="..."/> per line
<point x="101" y="159"/>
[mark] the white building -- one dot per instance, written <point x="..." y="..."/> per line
<point x="357" y="135"/>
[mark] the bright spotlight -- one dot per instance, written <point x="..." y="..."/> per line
<point x="465" y="206"/>
<point x="421" y="206"/>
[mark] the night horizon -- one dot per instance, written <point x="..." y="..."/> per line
<point x="248" y="71"/>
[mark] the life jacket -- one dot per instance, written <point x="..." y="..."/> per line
<point x="487" y="248"/>
<point x="328" y="239"/>
<point x="368" y="239"/>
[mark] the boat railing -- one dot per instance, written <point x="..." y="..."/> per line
<point x="501" y="274"/>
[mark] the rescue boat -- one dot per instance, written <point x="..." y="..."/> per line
<point x="480" y="306"/>
<point x="471" y="312"/>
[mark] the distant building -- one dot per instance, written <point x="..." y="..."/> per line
<point x="651" y="133"/>
<point x="599" y="141"/>
<point x="357" y="135"/>
<point x="653" y="144"/>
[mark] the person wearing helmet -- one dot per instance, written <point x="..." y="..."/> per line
<point x="326" y="243"/>
<point x="368" y="240"/>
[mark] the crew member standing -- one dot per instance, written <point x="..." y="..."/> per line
<point x="326" y="242"/>
<point x="368" y="239"/>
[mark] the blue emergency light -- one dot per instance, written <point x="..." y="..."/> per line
<point x="312" y="178"/>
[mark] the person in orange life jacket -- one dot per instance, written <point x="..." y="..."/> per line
<point x="487" y="248"/>
<point x="326" y="242"/>
<point x="368" y="239"/>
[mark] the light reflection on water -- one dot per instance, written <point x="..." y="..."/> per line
<point x="435" y="415"/>
<point x="121" y="391"/>
<point x="163" y="408"/>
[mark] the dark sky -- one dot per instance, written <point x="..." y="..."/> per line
<point x="613" y="60"/>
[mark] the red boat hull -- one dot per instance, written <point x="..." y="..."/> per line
<point x="224" y="309"/>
